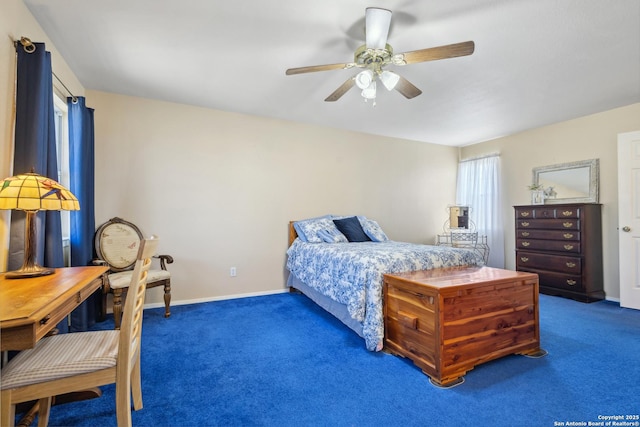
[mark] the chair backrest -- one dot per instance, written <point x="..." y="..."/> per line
<point x="117" y="243"/>
<point x="131" y="328"/>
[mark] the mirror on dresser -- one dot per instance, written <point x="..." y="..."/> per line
<point x="575" y="182"/>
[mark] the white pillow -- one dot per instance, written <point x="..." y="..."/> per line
<point x="373" y="230"/>
<point x="307" y="229"/>
<point x="332" y="236"/>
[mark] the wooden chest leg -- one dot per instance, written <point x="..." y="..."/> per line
<point x="535" y="354"/>
<point x="446" y="384"/>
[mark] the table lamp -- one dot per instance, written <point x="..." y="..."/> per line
<point x="31" y="193"/>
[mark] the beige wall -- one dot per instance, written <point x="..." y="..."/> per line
<point x="16" y="21"/>
<point x="590" y="137"/>
<point x="219" y="188"/>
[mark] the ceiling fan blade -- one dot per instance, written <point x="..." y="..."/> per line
<point x="377" y="22"/>
<point x="434" y="53"/>
<point x="344" y="88"/>
<point x="314" y="68"/>
<point x="406" y="88"/>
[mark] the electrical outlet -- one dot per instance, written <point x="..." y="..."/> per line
<point x="232" y="272"/>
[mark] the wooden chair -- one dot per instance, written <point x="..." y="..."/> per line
<point x="116" y="243"/>
<point x="78" y="361"/>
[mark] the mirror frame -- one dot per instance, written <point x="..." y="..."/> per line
<point x="594" y="173"/>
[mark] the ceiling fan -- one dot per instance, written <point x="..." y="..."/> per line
<point x="376" y="54"/>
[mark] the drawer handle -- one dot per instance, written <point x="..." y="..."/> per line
<point x="567" y="213"/>
<point x="524" y="259"/>
<point x="524" y="214"/>
<point x="568" y="247"/>
<point x="567" y="235"/>
<point x="525" y="234"/>
<point x="571" y="264"/>
<point x="45" y="319"/>
<point x="525" y="244"/>
<point x="571" y="282"/>
<point x="524" y="223"/>
<point x="567" y="224"/>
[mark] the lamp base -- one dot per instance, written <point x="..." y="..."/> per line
<point x="30" y="267"/>
<point x="29" y="271"/>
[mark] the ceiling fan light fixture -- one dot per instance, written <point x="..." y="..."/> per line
<point x="377" y="22"/>
<point x="370" y="91"/>
<point x="364" y="79"/>
<point x="389" y="79"/>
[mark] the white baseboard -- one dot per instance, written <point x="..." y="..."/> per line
<point x="218" y="298"/>
<point x="253" y="294"/>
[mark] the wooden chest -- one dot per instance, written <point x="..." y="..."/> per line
<point x="449" y="320"/>
<point x="563" y="245"/>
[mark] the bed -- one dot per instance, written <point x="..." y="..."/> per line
<point x="345" y="276"/>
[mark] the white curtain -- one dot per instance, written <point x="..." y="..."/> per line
<point x="479" y="188"/>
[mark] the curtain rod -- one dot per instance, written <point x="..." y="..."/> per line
<point x="29" y="47"/>
<point x="484" y="156"/>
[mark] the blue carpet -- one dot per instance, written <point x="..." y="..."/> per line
<point x="280" y="360"/>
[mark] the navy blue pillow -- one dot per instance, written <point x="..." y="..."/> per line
<point x="352" y="229"/>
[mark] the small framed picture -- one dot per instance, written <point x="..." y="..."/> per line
<point x="537" y="197"/>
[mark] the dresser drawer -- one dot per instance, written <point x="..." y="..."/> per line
<point x="544" y="213"/>
<point x="548" y="224"/>
<point x="549" y="245"/>
<point x="563" y="281"/>
<point x="525" y="213"/>
<point x="548" y="212"/>
<point x="563" y="264"/>
<point x="549" y="279"/>
<point x="559" y="213"/>
<point x="569" y="235"/>
<point x="568" y="213"/>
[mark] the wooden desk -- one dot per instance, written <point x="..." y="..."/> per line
<point x="31" y="308"/>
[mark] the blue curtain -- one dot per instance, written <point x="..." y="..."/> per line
<point x="83" y="224"/>
<point x="35" y="149"/>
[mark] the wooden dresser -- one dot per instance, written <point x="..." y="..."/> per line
<point x="448" y="320"/>
<point x="563" y="245"/>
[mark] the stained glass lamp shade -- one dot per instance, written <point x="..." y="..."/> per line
<point x="31" y="193"/>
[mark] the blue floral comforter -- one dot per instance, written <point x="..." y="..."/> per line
<point x="351" y="273"/>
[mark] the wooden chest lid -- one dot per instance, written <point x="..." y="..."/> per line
<point x="461" y="276"/>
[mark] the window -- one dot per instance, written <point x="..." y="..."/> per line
<point x="479" y="188"/>
<point x="62" y="151"/>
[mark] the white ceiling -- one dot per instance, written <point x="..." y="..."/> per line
<point x="536" y="62"/>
